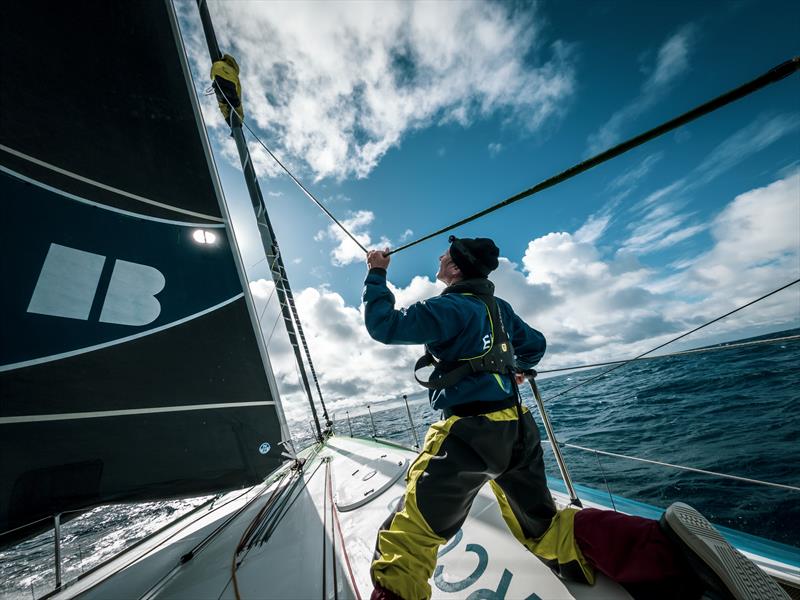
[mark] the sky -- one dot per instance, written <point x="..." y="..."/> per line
<point x="404" y="117"/>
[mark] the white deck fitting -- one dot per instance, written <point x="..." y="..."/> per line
<point x="367" y="481"/>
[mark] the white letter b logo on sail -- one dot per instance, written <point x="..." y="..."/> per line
<point x="68" y="283"/>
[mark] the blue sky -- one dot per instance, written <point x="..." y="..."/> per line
<point x="402" y="118"/>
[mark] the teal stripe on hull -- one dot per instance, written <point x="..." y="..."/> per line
<point x="743" y="541"/>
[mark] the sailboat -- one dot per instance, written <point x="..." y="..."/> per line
<point x="134" y="368"/>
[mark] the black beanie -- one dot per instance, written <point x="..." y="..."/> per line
<point x="475" y="257"/>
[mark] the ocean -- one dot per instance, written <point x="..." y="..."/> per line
<point x="730" y="410"/>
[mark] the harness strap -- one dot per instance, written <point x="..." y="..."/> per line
<point x="443" y="379"/>
<point x="499" y="358"/>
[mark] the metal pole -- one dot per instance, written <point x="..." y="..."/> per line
<point x="349" y="424"/>
<point x="410" y="420"/>
<point x="374" y="432"/>
<point x="268" y="240"/>
<point x="57" y="541"/>
<point x="562" y="466"/>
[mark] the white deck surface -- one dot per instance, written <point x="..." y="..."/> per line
<point x="367" y="479"/>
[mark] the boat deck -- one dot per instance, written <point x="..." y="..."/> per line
<point x="317" y="541"/>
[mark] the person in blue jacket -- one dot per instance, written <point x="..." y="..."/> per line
<point x="485" y="436"/>
<point x="477" y="346"/>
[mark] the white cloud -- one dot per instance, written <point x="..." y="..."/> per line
<point x="662" y="226"/>
<point x="346" y="251"/>
<point x="495" y="148"/>
<point x="671" y="62"/>
<point x="673" y="58"/>
<point x="406" y="235"/>
<point x="339" y="94"/>
<point x="628" y="180"/>
<point x="594" y="228"/>
<point x="659" y="223"/>
<point x="758" y="234"/>
<point x="754" y="137"/>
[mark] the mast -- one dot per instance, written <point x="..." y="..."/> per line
<point x="291" y="318"/>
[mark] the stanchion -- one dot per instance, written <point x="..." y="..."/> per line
<point x="530" y="375"/>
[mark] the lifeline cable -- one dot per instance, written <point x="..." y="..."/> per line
<point x="675" y="339"/>
<point x="783" y="486"/>
<point x="773" y="75"/>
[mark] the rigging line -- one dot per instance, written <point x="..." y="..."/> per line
<point x="299" y="326"/>
<point x="333" y="534"/>
<point x="675" y="339"/>
<point x="344" y="551"/>
<point x="274" y="287"/>
<point x="249" y="531"/>
<point x="773" y="75"/>
<point x="325" y="529"/>
<point x="274" y="326"/>
<point x="258" y="536"/>
<point x="682" y="467"/>
<point x="291" y="175"/>
<point x="681" y="353"/>
<point x="608" y="489"/>
<point x="286" y="508"/>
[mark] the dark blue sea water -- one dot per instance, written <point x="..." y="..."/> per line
<point x="732" y="411"/>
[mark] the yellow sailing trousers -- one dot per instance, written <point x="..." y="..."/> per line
<point x="459" y="456"/>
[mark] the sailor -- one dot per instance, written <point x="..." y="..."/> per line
<point x="477" y="345"/>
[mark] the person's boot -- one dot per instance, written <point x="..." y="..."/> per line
<point x="727" y="572"/>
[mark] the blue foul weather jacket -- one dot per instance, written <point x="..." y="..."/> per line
<point x="452" y="326"/>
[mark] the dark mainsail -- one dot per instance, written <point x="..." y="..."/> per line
<point x="129" y="365"/>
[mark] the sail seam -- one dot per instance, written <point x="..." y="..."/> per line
<point x="108" y="188"/>
<point x="62" y="355"/>
<point x="128" y="412"/>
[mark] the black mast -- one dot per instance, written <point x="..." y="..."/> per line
<point x="285" y="297"/>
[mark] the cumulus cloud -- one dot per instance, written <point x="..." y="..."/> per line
<point x="346" y="251"/>
<point x="757" y="244"/>
<point x="671" y="62"/>
<point x="495" y="148"/>
<point x="336" y="96"/>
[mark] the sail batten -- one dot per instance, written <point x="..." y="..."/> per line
<point x="97" y="184"/>
<point x="121" y="413"/>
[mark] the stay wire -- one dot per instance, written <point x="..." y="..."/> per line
<point x="773" y="75"/>
<point x="675" y="339"/>
<point x="291" y="175"/>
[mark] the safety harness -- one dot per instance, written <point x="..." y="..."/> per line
<point x="498" y="359"/>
